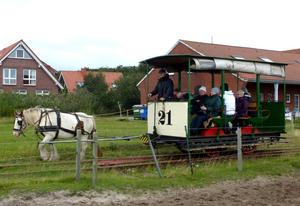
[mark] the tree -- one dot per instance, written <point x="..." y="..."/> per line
<point x="127" y="92"/>
<point x="102" y="100"/>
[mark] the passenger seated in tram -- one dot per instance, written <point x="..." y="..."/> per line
<point x="210" y="107"/>
<point x="213" y="103"/>
<point x="198" y="111"/>
<point x="242" y="103"/>
<point x="229" y="101"/>
<point x="180" y="96"/>
<point x="164" y="87"/>
<point x="229" y="107"/>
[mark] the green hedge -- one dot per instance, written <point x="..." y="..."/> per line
<point x="80" y="101"/>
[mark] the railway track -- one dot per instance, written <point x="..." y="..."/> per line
<point x="164" y="160"/>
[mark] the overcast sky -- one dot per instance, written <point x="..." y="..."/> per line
<point x="94" y="33"/>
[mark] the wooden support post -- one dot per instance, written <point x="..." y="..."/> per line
<point x="188" y="148"/>
<point x="154" y="157"/>
<point x="239" y="150"/>
<point x="78" y="150"/>
<point x="95" y="159"/>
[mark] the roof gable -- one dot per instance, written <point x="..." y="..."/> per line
<point x="19" y="52"/>
<point x="6" y="52"/>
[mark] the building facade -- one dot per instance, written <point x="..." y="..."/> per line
<point x="22" y="72"/>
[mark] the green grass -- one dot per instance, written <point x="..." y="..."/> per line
<point x="43" y="177"/>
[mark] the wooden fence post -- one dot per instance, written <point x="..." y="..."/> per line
<point x="78" y="150"/>
<point x="95" y="159"/>
<point x="239" y="150"/>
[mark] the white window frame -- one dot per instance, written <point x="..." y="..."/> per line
<point x="41" y="92"/>
<point x="266" y="59"/>
<point x="288" y="98"/>
<point x="80" y="84"/>
<point x="29" y="79"/>
<point x="17" y="53"/>
<point x="9" y="76"/>
<point x="22" y="92"/>
<point x="238" y="57"/>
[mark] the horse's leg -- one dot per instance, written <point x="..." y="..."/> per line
<point x="84" y="145"/>
<point x="43" y="151"/>
<point x="53" y="153"/>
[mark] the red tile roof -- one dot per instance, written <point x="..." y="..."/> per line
<point x="291" y="57"/>
<point x="6" y="50"/>
<point x="72" y="78"/>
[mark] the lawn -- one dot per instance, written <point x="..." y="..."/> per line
<point x="27" y="173"/>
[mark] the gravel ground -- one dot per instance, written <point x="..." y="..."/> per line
<point x="284" y="190"/>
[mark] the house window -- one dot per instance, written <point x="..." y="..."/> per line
<point x="265" y="59"/>
<point x="9" y="76"/>
<point x="29" y="77"/>
<point x="20" y="53"/>
<point x="288" y="98"/>
<point x="21" y="91"/>
<point x="42" y="92"/>
<point x="79" y="84"/>
<point x="238" y="57"/>
<point x="296" y="103"/>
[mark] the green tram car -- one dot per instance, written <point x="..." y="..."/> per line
<point x="169" y="121"/>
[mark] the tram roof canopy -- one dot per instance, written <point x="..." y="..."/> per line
<point x="206" y="63"/>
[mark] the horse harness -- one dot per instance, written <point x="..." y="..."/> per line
<point x="55" y="128"/>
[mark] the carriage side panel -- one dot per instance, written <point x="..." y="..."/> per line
<point x="169" y="118"/>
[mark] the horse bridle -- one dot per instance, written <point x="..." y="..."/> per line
<point x="20" y="123"/>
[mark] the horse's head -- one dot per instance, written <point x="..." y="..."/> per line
<point x="20" y="124"/>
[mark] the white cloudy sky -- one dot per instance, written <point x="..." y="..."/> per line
<point x="72" y="34"/>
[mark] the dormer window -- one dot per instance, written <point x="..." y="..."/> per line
<point x="20" y="53"/>
<point x="238" y="57"/>
<point x="265" y="59"/>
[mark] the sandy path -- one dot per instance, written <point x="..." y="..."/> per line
<point x="260" y="191"/>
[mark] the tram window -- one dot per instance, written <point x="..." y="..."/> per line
<point x="288" y="98"/>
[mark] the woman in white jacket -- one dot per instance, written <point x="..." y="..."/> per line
<point x="229" y="101"/>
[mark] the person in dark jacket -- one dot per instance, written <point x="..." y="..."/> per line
<point x="164" y="87"/>
<point x="213" y="104"/>
<point x="197" y="110"/>
<point x="242" y="103"/>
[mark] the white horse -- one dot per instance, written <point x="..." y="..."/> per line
<point x="53" y="124"/>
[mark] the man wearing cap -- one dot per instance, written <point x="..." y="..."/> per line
<point x="164" y="87"/>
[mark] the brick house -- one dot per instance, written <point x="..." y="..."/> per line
<point x="72" y="79"/>
<point x="271" y="88"/>
<point x="22" y="72"/>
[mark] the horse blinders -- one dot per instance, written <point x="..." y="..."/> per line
<point x="19" y="124"/>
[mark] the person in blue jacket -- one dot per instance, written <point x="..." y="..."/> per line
<point x="164" y="87"/>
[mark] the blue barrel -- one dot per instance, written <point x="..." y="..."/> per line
<point x="144" y="112"/>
